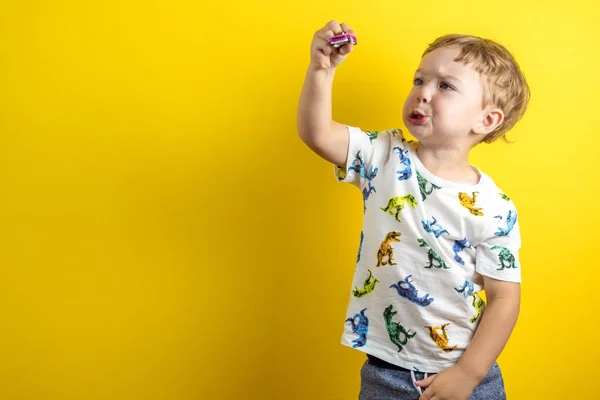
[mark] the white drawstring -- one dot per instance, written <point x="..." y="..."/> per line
<point x="412" y="375"/>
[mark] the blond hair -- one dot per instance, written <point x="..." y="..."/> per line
<point x="505" y="86"/>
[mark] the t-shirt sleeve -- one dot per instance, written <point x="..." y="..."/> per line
<point x="367" y="151"/>
<point x="497" y="256"/>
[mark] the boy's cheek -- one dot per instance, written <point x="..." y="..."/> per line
<point x="406" y="109"/>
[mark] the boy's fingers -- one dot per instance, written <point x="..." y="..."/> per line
<point x="325" y="35"/>
<point x="427" y="395"/>
<point x="347" y="29"/>
<point x="425" y="382"/>
<point x="334" y="26"/>
<point x="346" y="49"/>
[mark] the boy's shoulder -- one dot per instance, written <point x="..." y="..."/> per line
<point x="497" y="208"/>
<point x="390" y="133"/>
<point x="381" y="142"/>
<point x="497" y="194"/>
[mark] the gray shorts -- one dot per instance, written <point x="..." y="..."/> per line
<point x="378" y="383"/>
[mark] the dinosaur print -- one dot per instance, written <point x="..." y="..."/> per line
<point x="460" y="245"/>
<point x="360" y="327"/>
<point x="478" y="303"/>
<point x="362" y="237"/>
<point x="397" y="203"/>
<point x="368" y="286"/>
<point x="366" y="192"/>
<point x="405" y="173"/>
<point x="358" y="165"/>
<point x="434" y="227"/>
<point x="386" y="249"/>
<point x="372" y="135"/>
<point x="506" y="258"/>
<point x="468" y="202"/>
<point x="505" y="197"/>
<point x="425" y="187"/>
<point x="398" y="334"/>
<point x="466" y="289"/>
<point x="511" y="219"/>
<point x="340" y="173"/>
<point x="434" y="259"/>
<point x="406" y="289"/>
<point x="441" y="340"/>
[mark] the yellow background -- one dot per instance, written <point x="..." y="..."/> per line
<point x="166" y="235"/>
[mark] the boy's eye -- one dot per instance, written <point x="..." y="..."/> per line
<point x="418" y="81"/>
<point x="445" y="86"/>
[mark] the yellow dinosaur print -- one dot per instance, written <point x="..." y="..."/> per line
<point x="441" y="340"/>
<point x="386" y="249"/>
<point x="478" y="303"/>
<point x="468" y="202"/>
<point x="397" y="203"/>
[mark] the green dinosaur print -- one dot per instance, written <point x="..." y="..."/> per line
<point x="372" y="135"/>
<point x="368" y="286"/>
<point x="434" y="259"/>
<point x="505" y="197"/>
<point x="397" y="203"/>
<point x="506" y="258"/>
<point x="478" y="303"/>
<point x="425" y="186"/>
<point x="395" y="330"/>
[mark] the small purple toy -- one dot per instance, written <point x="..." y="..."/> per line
<point x="340" y="40"/>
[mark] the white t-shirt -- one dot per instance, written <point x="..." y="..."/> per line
<point x="425" y="244"/>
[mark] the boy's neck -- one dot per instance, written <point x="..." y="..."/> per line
<point x="451" y="164"/>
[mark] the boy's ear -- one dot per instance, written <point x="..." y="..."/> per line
<point x="491" y="118"/>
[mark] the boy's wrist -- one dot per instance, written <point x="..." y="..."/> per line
<point x="320" y="72"/>
<point x="472" y="370"/>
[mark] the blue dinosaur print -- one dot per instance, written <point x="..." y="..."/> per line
<point x="466" y="289"/>
<point x="405" y="173"/>
<point x="360" y="328"/>
<point x="362" y="236"/>
<point x="358" y="165"/>
<point x="460" y="245"/>
<point x="366" y="193"/>
<point x="434" y="227"/>
<point x="511" y="219"/>
<point x="407" y="290"/>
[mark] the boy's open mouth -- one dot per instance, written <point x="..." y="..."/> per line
<point x="417" y="117"/>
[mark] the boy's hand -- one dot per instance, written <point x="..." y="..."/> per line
<point x="450" y="384"/>
<point x="322" y="54"/>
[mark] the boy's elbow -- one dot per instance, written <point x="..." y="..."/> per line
<point x="311" y="137"/>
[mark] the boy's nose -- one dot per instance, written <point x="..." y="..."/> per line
<point x="424" y="97"/>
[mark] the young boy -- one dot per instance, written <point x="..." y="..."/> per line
<point x="437" y="230"/>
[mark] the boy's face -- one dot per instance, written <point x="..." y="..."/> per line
<point x="445" y="105"/>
